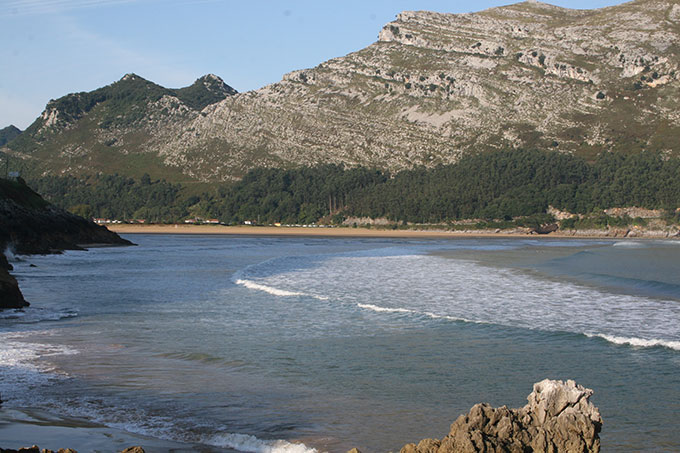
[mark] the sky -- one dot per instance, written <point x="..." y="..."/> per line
<point x="49" y="48"/>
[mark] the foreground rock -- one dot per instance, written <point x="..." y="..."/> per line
<point x="10" y="294"/>
<point x="30" y="225"/>
<point x="558" y="418"/>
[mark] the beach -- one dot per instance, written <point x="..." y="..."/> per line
<point x="360" y="232"/>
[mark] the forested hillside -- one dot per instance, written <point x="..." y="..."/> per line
<point x="489" y="186"/>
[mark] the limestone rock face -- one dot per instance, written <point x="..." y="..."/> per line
<point x="434" y="86"/>
<point x="558" y="418"/>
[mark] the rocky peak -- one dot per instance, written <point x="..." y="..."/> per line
<point x="130" y="76"/>
<point x="215" y="84"/>
<point x="8" y="134"/>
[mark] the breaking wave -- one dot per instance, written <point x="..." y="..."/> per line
<point x="268" y="289"/>
<point x="638" y="342"/>
<point x="275" y="291"/>
<point x="32" y="315"/>
<point x="251" y="444"/>
<point x="19" y="364"/>
<point x="383" y="309"/>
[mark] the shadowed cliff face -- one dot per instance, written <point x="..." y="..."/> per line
<point x="431" y="88"/>
<point x="30" y="225"/>
<point x="10" y="294"/>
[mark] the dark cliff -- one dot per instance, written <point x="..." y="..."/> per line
<point x="30" y="225"/>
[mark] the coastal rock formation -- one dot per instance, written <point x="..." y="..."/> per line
<point x="10" y="294"/>
<point x="557" y="418"/>
<point x="30" y="225"/>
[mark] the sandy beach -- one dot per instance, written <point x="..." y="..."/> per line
<point x="324" y="232"/>
<point x="360" y="232"/>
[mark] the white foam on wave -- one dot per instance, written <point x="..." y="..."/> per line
<point x="452" y="318"/>
<point x="275" y="291"/>
<point x="428" y="314"/>
<point x="384" y="309"/>
<point x="20" y="367"/>
<point x="251" y="444"/>
<point x="10" y="255"/>
<point x="638" y="342"/>
<point x="432" y="287"/>
<point x="268" y="289"/>
<point x="134" y="418"/>
<point x="630" y="244"/>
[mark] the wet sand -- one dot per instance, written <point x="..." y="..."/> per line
<point x="27" y="427"/>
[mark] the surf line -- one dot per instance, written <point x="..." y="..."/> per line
<point x="276" y="291"/>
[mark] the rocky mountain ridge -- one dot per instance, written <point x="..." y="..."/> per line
<point x="432" y="87"/>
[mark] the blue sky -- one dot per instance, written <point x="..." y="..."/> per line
<point x="49" y="48"/>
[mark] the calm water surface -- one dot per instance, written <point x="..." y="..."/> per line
<point x="295" y="344"/>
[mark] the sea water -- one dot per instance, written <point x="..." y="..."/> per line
<point x="265" y="344"/>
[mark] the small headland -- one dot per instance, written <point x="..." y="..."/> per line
<point x="30" y="225"/>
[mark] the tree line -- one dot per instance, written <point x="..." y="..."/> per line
<point x="499" y="185"/>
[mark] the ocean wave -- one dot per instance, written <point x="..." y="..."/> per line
<point x="251" y="444"/>
<point x="428" y="314"/>
<point x="34" y="315"/>
<point x="630" y="244"/>
<point x="453" y="318"/>
<point x="19" y="364"/>
<point x="637" y="342"/>
<point x="275" y="291"/>
<point x="384" y="309"/>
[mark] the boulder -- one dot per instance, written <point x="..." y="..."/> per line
<point x="10" y="294"/>
<point x="557" y="418"/>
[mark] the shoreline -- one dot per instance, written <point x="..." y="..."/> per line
<point x="362" y="232"/>
<point x="21" y="427"/>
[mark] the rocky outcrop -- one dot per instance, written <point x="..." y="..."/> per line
<point x="10" y="294"/>
<point x="30" y="225"/>
<point x="557" y="418"/>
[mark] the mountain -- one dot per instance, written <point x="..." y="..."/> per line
<point x="434" y="86"/>
<point x="8" y="134"/>
<point x="114" y="128"/>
